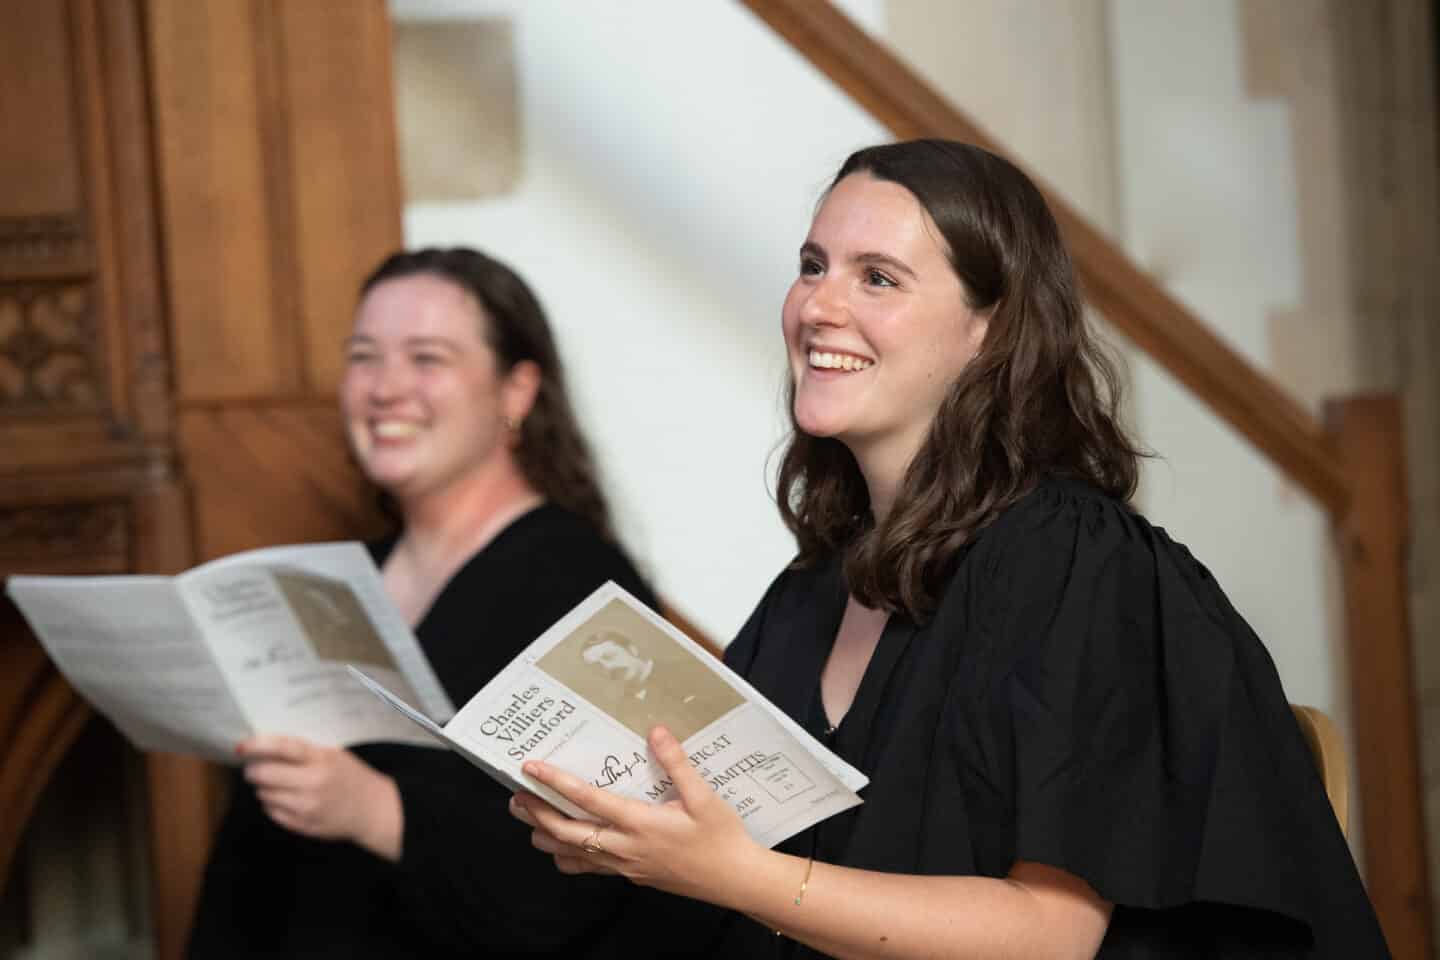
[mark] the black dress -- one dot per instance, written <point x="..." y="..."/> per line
<point x="469" y="883"/>
<point x="1084" y="697"/>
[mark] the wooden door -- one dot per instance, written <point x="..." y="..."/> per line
<point x="190" y="191"/>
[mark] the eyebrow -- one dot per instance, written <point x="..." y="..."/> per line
<point x="885" y="260"/>
<point x="362" y="339"/>
<point x="868" y="257"/>
<point x="448" y="344"/>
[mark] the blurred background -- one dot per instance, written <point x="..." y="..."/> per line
<point x="191" y="191"/>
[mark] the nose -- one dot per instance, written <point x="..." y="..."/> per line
<point x="387" y="380"/>
<point x="825" y="303"/>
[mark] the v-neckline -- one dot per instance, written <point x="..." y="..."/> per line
<point x="894" y="639"/>
<point x="867" y="642"/>
<point x="503" y="531"/>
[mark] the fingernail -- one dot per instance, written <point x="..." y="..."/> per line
<point x="530" y="768"/>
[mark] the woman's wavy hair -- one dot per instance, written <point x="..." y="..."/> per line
<point x="550" y="450"/>
<point x="1040" y="398"/>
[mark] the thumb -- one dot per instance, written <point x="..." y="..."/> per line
<point x="678" y="768"/>
<point x="276" y="747"/>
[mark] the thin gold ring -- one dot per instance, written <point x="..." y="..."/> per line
<point x="591" y="844"/>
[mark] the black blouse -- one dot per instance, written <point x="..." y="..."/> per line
<point x="1085" y="697"/>
<point x="469" y="883"/>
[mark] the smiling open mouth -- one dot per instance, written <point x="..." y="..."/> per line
<point x="394" y="430"/>
<point x="838" y="361"/>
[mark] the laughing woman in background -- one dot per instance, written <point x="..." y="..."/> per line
<point x="455" y="407"/>
<point x="1076" y="747"/>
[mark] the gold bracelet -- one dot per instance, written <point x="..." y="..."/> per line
<point x="800" y="895"/>
<point x="809" y="865"/>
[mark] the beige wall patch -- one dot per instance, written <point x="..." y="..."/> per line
<point x="457" y="107"/>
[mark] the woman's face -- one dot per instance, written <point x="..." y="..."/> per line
<point x="876" y="324"/>
<point x="423" y="398"/>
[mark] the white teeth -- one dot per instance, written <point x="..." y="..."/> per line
<point x="393" y="429"/>
<point x="838" y="361"/>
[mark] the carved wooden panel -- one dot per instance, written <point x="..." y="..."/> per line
<point x="49" y="244"/>
<point x="51" y="355"/>
<point x="65" y="538"/>
<point x="82" y="347"/>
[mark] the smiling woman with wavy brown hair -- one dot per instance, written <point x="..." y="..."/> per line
<point x="1076" y="747"/>
<point x="1040" y="396"/>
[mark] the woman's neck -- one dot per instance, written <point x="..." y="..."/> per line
<point x="453" y="523"/>
<point x="883" y="467"/>
<point x="882" y="494"/>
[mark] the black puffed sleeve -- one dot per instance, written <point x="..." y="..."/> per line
<point x="1142" y="733"/>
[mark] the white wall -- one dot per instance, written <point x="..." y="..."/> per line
<point x="1209" y="205"/>
<point x="672" y="154"/>
<point x="1036" y="76"/>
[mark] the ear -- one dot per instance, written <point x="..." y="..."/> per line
<point x="979" y="326"/>
<point x="519" y="390"/>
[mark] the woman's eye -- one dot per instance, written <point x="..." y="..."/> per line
<point x="878" y="279"/>
<point x="357" y="358"/>
<point x="810" y="267"/>
<point x="426" y="359"/>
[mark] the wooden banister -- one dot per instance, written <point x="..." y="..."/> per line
<point x="1130" y="299"/>
<point x="1373" y="539"/>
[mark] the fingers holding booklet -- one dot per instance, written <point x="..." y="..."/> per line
<point x="323" y="792"/>
<point x="669" y="847"/>
<point x="584" y="696"/>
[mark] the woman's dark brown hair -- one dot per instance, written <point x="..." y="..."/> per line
<point x="551" y="451"/>
<point x="1040" y="397"/>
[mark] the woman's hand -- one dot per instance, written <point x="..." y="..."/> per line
<point x="695" y="846"/>
<point x="324" y="792"/>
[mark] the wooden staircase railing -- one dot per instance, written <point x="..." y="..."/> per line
<point x="1352" y="465"/>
